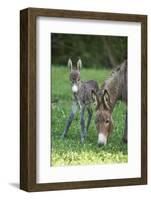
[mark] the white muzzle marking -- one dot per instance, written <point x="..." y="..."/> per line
<point x="102" y="139"/>
<point x="74" y="88"/>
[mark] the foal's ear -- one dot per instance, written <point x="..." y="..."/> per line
<point x="79" y="64"/>
<point x="70" y="64"/>
<point x="106" y="99"/>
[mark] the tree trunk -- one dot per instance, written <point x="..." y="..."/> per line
<point x="110" y="55"/>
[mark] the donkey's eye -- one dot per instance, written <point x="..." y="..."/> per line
<point x="107" y="121"/>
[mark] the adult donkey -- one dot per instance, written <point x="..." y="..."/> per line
<point x="113" y="89"/>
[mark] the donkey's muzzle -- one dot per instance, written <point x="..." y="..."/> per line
<point x="74" y="88"/>
<point x="102" y="140"/>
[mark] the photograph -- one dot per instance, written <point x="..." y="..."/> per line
<point x="88" y="99"/>
<point x="83" y="99"/>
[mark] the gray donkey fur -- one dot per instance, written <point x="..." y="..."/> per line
<point x="113" y="89"/>
<point x="82" y="98"/>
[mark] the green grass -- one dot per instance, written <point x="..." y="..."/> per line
<point x="70" y="151"/>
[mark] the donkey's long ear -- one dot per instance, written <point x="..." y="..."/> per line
<point x="95" y="98"/>
<point x="79" y="64"/>
<point x="70" y="64"/>
<point x="106" y="99"/>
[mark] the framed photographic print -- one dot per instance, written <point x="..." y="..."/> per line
<point x="83" y="99"/>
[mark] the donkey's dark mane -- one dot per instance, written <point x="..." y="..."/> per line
<point x="114" y="73"/>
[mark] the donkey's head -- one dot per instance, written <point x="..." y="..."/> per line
<point x="75" y="74"/>
<point x="104" y="123"/>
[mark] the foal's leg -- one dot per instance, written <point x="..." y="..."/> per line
<point x="90" y="112"/>
<point x="70" y="119"/>
<point x="82" y="122"/>
<point x="125" y="130"/>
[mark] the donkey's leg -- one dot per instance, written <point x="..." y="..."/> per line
<point x="90" y="112"/>
<point x="125" y="131"/>
<point x="82" y="122"/>
<point x="70" y="119"/>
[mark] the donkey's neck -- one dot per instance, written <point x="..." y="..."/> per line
<point x="116" y="85"/>
<point x="79" y="86"/>
<point x="77" y="93"/>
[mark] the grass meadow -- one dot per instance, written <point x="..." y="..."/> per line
<point x="70" y="151"/>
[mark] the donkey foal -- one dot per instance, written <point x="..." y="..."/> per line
<point x="82" y="98"/>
